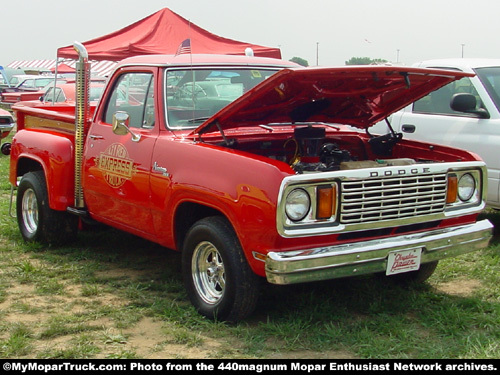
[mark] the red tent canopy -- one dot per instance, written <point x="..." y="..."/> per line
<point x="63" y="68"/>
<point x="162" y="33"/>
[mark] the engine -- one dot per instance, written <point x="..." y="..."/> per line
<point x="311" y="150"/>
<point x="316" y="155"/>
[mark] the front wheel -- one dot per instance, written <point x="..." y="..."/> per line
<point x="218" y="279"/>
<point x="416" y="277"/>
<point x="37" y="221"/>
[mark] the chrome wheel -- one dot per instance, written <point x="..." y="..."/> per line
<point x="208" y="272"/>
<point x="29" y="211"/>
<point x="36" y="220"/>
<point x="219" y="282"/>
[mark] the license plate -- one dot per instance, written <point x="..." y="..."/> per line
<point x="403" y="261"/>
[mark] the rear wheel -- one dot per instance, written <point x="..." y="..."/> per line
<point x="37" y="221"/>
<point x="218" y="279"/>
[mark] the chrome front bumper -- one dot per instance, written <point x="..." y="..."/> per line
<point x="368" y="257"/>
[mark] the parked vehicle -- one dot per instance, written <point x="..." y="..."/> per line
<point x="28" y="88"/>
<point x="4" y="79"/>
<point x="28" y="82"/>
<point x="259" y="178"/>
<point x="7" y="99"/>
<point x="64" y="94"/>
<point x="5" y="76"/>
<point x="6" y="125"/>
<point x="463" y="114"/>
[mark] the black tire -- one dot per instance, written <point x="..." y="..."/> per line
<point x="37" y="221"/>
<point x="5" y="149"/>
<point x="217" y="277"/>
<point x="415" y="277"/>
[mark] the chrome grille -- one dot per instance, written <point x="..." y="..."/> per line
<point x="392" y="198"/>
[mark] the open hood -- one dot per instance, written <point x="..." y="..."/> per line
<point x="359" y="96"/>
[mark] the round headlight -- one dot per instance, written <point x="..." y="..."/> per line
<point x="466" y="187"/>
<point x="297" y="204"/>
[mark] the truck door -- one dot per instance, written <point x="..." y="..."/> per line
<point x="432" y="120"/>
<point x="116" y="175"/>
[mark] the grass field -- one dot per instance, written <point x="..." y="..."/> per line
<point x="112" y="295"/>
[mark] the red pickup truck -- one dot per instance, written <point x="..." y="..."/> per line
<point x="253" y="169"/>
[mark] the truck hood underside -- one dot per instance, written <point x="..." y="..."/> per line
<point x="359" y="96"/>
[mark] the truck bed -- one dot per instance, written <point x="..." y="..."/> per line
<point x="60" y="118"/>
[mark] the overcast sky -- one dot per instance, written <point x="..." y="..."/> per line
<point x="327" y="31"/>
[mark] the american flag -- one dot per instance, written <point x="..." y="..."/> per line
<point x="184" y="47"/>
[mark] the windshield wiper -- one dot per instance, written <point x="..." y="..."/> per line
<point x="309" y="123"/>
<point x="198" y="119"/>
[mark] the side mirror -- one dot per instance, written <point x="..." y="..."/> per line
<point x="467" y="103"/>
<point x="120" y="125"/>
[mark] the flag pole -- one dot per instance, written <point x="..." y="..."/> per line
<point x="191" y="64"/>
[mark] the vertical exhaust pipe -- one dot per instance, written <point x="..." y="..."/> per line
<point x="82" y="111"/>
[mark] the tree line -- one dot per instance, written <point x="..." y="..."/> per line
<point x="351" y="61"/>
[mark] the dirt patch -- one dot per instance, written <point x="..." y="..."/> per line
<point x="146" y="338"/>
<point x="152" y="339"/>
<point x="462" y="288"/>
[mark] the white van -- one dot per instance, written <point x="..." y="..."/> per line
<point x="464" y="114"/>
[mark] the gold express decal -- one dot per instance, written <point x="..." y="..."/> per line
<point x="116" y="165"/>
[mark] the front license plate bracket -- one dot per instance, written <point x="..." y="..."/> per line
<point x="403" y="261"/>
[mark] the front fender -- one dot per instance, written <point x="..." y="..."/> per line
<point x="54" y="153"/>
<point x="240" y="186"/>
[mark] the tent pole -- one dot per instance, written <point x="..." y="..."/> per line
<point x="55" y="81"/>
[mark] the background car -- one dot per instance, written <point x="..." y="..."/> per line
<point x="28" y="82"/>
<point x="6" y="125"/>
<point x="64" y="94"/>
<point x="25" y="91"/>
<point x="5" y="76"/>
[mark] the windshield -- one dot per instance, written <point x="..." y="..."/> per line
<point x="36" y="83"/>
<point x="194" y="95"/>
<point x="490" y="77"/>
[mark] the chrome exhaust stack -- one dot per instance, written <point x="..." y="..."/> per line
<point x="82" y="112"/>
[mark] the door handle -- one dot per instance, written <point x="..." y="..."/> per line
<point x="407" y="128"/>
<point x="95" y="136"/>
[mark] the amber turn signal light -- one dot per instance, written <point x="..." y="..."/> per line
<point x="451" y="194"/>
<point x="326" y="204"/>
